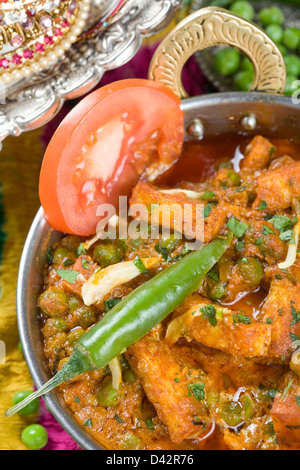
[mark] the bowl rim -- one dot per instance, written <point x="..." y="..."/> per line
<point x="39" y="224"/>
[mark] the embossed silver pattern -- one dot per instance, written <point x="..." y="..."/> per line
<point x="31" y="103"/>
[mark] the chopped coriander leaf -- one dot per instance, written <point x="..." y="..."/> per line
<point x="163" y="251"/>
<point x="240" y="190"/>
<point x="295" y="314"/>
<point x="140" y="265"/>
<point x="266" y="230"/>
<point x="118" y="419"/>
<point x="150" y="424"/>
<point x="237" y="227"/>
<point x="88" y="422"/>
<point x="241" y="318"/>
<point x="208" y="195"/>
<point x="206" y="211"/>
<point x="240" y="246"/>
<point x="68" y="275"/>
<point x="110" y="303"/>
<point x="244" y="260"/>
<point x="281" y="223"/>
<point x="81" y="250"/>
<point x="198" y="391"/>
<point x="176" y="380"/>
<point x="258" y="241"/>
<point x="272" y="150"/>
<point x="269" y="320"/>
<point x="278" y="277"/>
<point x="283" y="358"/>
<point x="298" y="400"/>
<point x="263" y="205"/>
<point x="286" y="236"/>
<point x="85" y="263"/>
<point x="294" y="337"/>
<point x="76" y="399"/>
<point x="271" y="393"/>
<point x="209" y="312"/>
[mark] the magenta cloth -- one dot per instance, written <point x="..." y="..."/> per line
<point x="194" y="84"/>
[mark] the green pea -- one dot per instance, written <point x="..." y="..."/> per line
<point x="270" y="15"/>
<point x="107" y="395"/>
<point x="35" y="437"/>
<point x="251" y="270"/>
<point x="74" y="303"/>
<point x="106" y="254"/>
<point x="292" y="64"/>
<point x="63" y="255"/>
<point x="246" y="64"/>
<point x="129" y="376"/>
<point x="243" y="80"/>
<point x="231" y="413"/>
<point x="75" y="335"/>
<point x="134" y="244"/>
<point x="169" y="243"/>
<point x="53" y="326"/>
<point x="29" y="409"/>
<point x="227" y="61"/>
<point x="275" y="32"/>
<point x="291" y="38"/>
<point x="86" y="316"/>
<point x="53" y="302"/>
<point x="234" y="178"/>
<point x="71" y="242"/>
<point x="124" y="363"/>
<point x="244" y="9"/>
<point x="132" y="442"/>
<point x="218" y="291"/>
<point x="291" y="85"/>
<point x="248" y="405"/>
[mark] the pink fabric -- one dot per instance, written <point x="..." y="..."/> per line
<point x="194" y="84"/>
<point x="58" y="439"/>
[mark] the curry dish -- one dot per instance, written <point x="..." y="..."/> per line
<point x="222" y="370"/>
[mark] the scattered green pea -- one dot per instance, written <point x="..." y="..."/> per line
<point x="243" y="80"/>
<point x="292" y="64"/>
<point x="244" y="9"/>
<point x="227" y="61"/>
<point x="291" y="38"/>
<point x="275" y="32"/>
<point x="35" y="437"/>
<point x="271" y="15"/>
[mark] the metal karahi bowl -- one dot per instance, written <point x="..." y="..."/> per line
<point x="248" y="113"/>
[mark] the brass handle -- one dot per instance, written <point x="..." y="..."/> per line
<point x="212" y="26"/>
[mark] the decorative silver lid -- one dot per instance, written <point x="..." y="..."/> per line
<point x="32" y="102"/>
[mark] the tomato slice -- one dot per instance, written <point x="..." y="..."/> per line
<point x="121" y="132"/>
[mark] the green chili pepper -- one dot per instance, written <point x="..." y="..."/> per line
<point x="135" y="315"/>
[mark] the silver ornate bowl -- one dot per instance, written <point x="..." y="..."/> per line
<point x="32" y="102"/>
